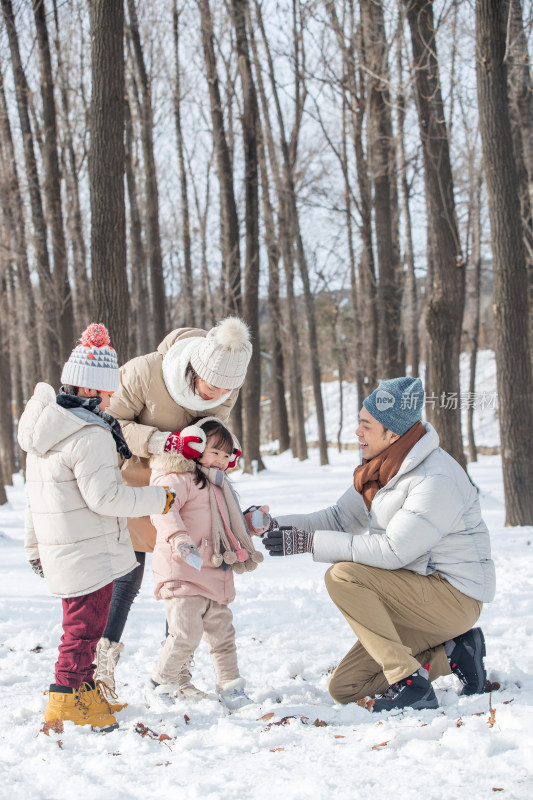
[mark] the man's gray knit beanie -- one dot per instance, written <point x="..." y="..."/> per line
<point x="397" y="403"/>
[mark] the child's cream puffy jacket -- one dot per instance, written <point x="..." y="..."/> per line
<point x="76" y="503"/>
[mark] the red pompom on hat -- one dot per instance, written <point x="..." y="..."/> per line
<point x="95" y="335"/>
<point x="93" y="363"/>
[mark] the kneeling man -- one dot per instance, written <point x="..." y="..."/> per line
<point x="413" y="586"/>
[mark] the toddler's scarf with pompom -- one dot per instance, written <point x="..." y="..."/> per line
<point x="228" y="524"/>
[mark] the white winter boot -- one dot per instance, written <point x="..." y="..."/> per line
<point x="107" y="656"/>
<point x="233" y="696"/>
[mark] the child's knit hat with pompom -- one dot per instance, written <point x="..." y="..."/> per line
<point x="93" y="363"/>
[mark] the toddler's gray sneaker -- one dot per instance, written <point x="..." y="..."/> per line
<point x="233" y="696"/>
<point x="160" y="695"/>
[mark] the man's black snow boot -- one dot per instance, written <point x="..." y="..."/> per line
<point x="466" y="661"/>
<point x="415" y="691"/>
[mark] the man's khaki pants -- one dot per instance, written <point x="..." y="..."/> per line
<point x="190" y="618"/>
<point x="401" y="620"/>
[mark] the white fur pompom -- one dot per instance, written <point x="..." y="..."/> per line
<point x="231" y="333"/>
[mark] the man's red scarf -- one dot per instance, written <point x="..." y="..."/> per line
<point x="374" y="473"/>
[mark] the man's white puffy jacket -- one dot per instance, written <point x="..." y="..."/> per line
<point x="426" y="519"/>
<point x="76" y="503"/>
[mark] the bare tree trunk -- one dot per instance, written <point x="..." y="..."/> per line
<point x="293" y="363"/>
<point x="188" y="295"/>
<point x="250" y="119"/>
<point x="446" y="304"/>
<point x="289" y="163"/>
<point x="52" y="187"/>
<point x="280" y="422"/>
<point x="475" y="295"/>
<point x="153" y="238"/>
<point x="515" y="382"/>
<point x="411" y="324"/>
<point x="207" y="310"/>
<point x="15" y="233"/>
<point x="354" y="292"/>
<point x="140" y="340"/>
<point x="367" y="274"/>
<point x="50" y="353"/>
<point x="383" y="171"/>
<point x="7" y="452"/>
<point x="106" y="173"/>
<point x="230" y="218"/>
<point x="520" y="82"/>
<point x="81" y="289"/>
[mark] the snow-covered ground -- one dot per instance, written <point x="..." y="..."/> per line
<point x="294" y="742"/>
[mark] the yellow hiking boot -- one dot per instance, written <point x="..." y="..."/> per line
<point x="102" y="697"/>
<point x="75" y="705"/>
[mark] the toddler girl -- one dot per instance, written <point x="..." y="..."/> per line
<point x="199" y="545"/>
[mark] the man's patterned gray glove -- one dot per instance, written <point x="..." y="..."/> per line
<point x="36" y="567"/>
<point x="288" y="541"/>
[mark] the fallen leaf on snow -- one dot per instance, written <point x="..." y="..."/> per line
<point x="143" y="731"/>
<point x="266" y="717"/>
<point x="381" y="744"/>
<point x="276" y="749"/>
<point x="282" y="721"/>
<point x="319" y="723"/>
<point x="338" y="736"/>
<point x="55" y="725"/>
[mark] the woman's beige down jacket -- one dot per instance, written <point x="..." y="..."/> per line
<point x="144" y="406"/>
<point x="76" y="503"/>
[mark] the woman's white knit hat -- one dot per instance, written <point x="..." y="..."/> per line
<point x="222" y="358"/>
<point x="93" y="363"/>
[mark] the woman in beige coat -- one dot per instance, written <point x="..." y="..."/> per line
<point x="193" y="373"/>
